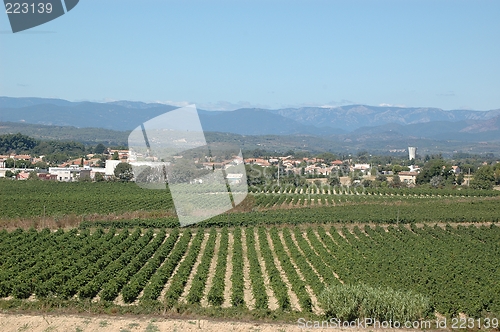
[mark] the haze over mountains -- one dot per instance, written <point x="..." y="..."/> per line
<point x="347" y="123"/>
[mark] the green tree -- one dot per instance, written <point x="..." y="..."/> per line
<point x="497" y="173"/>
<point x="33" y="176"/>
<point x="41" y="164"/>
<point x="398" y="168"/>
<point x="9" y="173"/>
<point x="255" y="175"/>
<point x="434" y="167"/>
<point x="123" y="172"/>
<point x="367" y="183"/>
<point x="115" y="156"/>
<point x="334" y="181"/>
<point x="99" y="177"/>
<point x="460" y="179"/>
<point x="16" y="142"/>
<point x="484" y="178"/>
<point x="396" y="182"/>
<point x="11" y="163"/>
<point x="99" y="149"/>
<point x="327" y="157"/>
<point x="436" y="181"/>
<point x="102" y="161"/>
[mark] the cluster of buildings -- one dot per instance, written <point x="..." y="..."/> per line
<point x="89" y="167"/>
<point x="69" y="171"/>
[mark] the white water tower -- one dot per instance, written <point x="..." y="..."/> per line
<point x="412" y="152"/>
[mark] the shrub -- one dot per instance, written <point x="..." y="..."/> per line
<point x="349" y="302"/>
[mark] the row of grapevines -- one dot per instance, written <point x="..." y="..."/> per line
<point x="20" y="240"/>
<point x="131" y="291"/>
<point x="52" y="278"/>
<point x="327" y="258"/>
<point x="280" y="289"/>
<point x="111" y="289"/>
<point x="199" y="282"/>
<point x="237" y="280"/>
<point x="298" y="285"/>
<point x="324" y="270"/>
<point x="24" y="282"/>
<point x="216" y="293"/>
<point x="23" y="258"/>
<point x="18" y="264"/>
<point x="258" y="287"/>
<point x="180" y="278"/>
<point x="301" y="262"/>
<point x="72" y="286"/>
<point x="153" y="290"/>
<point x="92" y="288"/>
<point x="49" y="264"/>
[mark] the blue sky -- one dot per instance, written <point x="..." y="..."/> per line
<point x="229" y="54"/>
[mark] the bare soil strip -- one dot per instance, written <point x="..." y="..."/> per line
<point x="229" y="270"/>
<point x="302" y="253"/>
<point x="142" y="291"/>
<point x="211" y="271"/>
<point x="273" y="302"/>
<point x="315" y="231"/>
<point x="315" y="304"/>
<point x="105" y="323"/>
<point x="169" y="281"/>
<point x="193" y="271"/>
<point x="119" y="298"/>
<point x="294" y="301"/>
<point x="304" y="235"/>
<point x="247" y="291"/>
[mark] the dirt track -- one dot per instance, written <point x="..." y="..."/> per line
<point x="53" y="323"/>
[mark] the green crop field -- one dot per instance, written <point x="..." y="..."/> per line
<point x="263" y="268"/>
<point x="39" y="203"/>
<point x="271" y="257"/>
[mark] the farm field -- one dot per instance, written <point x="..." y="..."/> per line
<point x="116" y="248"/>
<point x="42" y="204"/>
<point x="250" y="269"/>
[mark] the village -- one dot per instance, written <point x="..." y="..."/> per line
<point x="94" y="167"/>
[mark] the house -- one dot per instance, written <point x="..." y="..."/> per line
<point x="22" y="175"/>
<point x="47" y="176"/>
<point x="337" y="163"/>
<point x="361" y="167"/>
<point x="408" y="177"/>
<point x="65" y="174"/>
<point x="456" y="169"/>
<point x="26" y="157"/>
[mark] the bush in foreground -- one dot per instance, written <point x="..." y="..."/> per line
<point x="349" y="302"/>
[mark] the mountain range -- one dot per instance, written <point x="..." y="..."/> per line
<point x="345" y="123"/>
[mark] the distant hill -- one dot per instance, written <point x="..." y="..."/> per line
<point x="90" y="136"/>
<point x="348" y="124"/>
<point x="259" y="122"/>
<point x="125" y="115"/>
<point x="353" y="117"/>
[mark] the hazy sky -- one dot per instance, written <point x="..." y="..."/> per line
<point x="227" y="54"/>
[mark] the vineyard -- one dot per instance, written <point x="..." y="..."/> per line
<point x="281" y="269"/>
<point x="39" y="198"/>
<point x="127" y="205"/>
